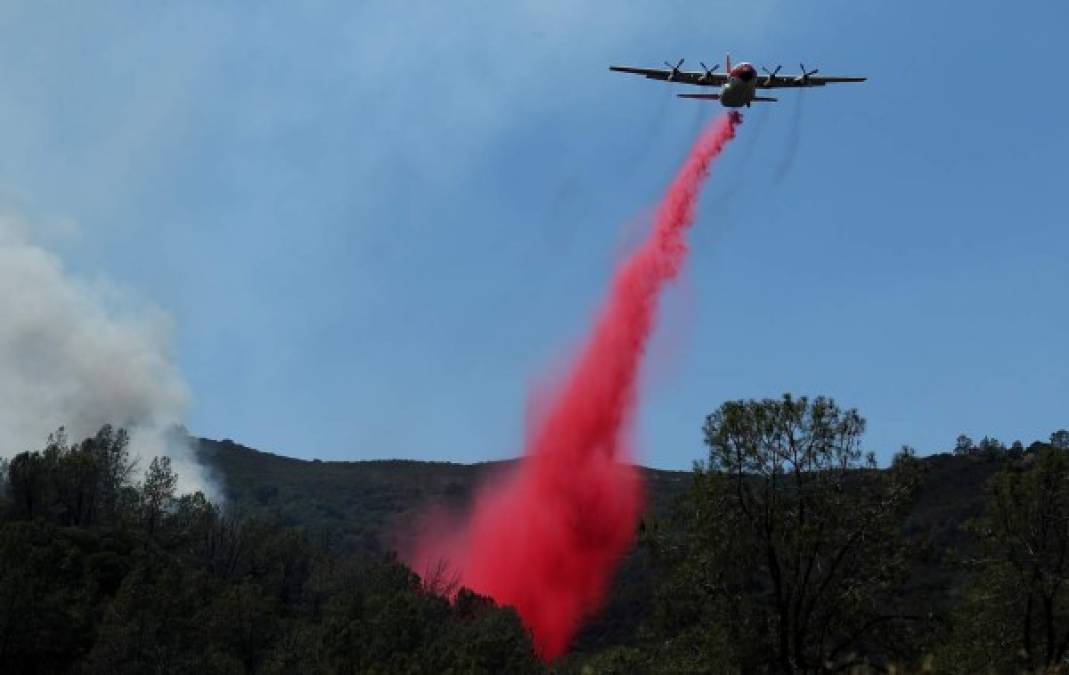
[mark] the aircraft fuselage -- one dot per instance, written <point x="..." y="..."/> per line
<point x="740" y="88"/>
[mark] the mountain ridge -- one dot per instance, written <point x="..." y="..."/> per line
<point x="375" y="505"/>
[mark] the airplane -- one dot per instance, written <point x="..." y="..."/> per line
<point x="738" y="84"/>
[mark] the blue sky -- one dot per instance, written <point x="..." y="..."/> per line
<point x="375" y="225"/>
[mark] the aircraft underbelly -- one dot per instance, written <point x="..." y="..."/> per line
<point x="736" y="94"/>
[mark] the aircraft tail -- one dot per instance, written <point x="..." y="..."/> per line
<point x="727" y="63"/>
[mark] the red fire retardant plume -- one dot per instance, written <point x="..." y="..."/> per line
<point x="546" y="539"/>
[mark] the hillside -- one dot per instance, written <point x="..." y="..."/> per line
<point x="370" y="505"/>
<point x="364" y="504"/>
<point x="293" y="566"/>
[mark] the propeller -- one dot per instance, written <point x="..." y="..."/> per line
<point x="708" y="71"/>
<point x="804" y="77"/>
<point x="674" y="69"/>
<point x="771" y="74"/>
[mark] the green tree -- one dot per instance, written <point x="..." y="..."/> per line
<point x="486" y="639"/>
<point x="786" y="553"/>
<point x="75" y="475"/>
<point x="1060" y="439"/>
<point x="1016" y="612"/>
<point x="81" y="484"/>
<point x="46" y="595"/>
<point x="157" y="493"/>
<point x="991" y="447"/>
<point x="27" y="481"/>
<point x="5" y="504"/>
<point x="98" y="574"/>
<point x="964" y="445"/>
<point x="239" y="625"/>
<point x="1016" y="450"/>
<point x="114" y="466"/>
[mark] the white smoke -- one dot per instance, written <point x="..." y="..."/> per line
<point x="81" y="355"/>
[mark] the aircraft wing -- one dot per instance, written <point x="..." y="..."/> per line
<point x="781" y="81"/>
<point x="716" y="97"/>
<point x="684" y="76"/>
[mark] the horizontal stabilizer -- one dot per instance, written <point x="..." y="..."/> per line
<point x="764" y="98"/>
<point x="707" y="97"/>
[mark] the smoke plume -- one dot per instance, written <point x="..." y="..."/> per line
<point x="547" y="538"/>
<point x="73" y="354"/>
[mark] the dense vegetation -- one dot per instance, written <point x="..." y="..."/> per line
<point x="786" y="550"/>
<point x="99" y="574"/>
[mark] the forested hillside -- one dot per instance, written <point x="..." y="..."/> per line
<point x="365" y="505"/>
<point x="369" y="506"/>
<point x="785" y="550"/>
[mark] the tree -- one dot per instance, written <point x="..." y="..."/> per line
<point x="157" y="493"/>
<point x="101" y="575"/>
<point x="5" y="504"/>
<point x="76" y="476"/>
<point x="3" y="477"/>
<point x="964" y="445"/>
<point x="991" y="447"/>
<point x="1018" y="602"/>
<point x="787" y="546"/>
<point x="111" y="451"/>
<point x="28" y="484"/>
<point x="73" y="484"/>
<point x="1060" y="439"/>
<point x="46" y="596"/>
<point x="441" y="578"/>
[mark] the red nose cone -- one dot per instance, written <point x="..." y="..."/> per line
<point x="744" y="72"/>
